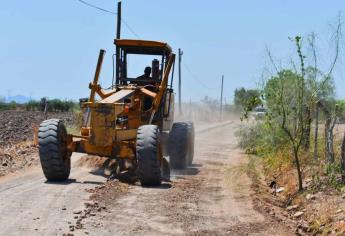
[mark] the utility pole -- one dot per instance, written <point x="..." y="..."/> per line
<point x="118" y="29"/>
<point x="221" y="98"/>
<point x="118" y="36"/>
<point x="180" y="53"/>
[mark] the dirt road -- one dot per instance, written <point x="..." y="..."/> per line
<point x="210" y="198"/>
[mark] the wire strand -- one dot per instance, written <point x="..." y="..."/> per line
<point x="110" y="12"/>
<point x="130" y="28"/>
<point x="96" y="7"/>
<point x="196" y="78"/>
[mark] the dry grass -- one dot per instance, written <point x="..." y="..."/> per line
<point x="321" y="215"/>
<point x="289" y="182"/>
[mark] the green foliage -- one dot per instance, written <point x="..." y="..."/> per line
<point x="32" y="105"/>
<point x="280" y="92"/>
<point x="261" y="139"/>
<point x="341" y="107"/>
<point x="293" y="98"/>
<point x="249" y="138"/>
<point x="322" y="89"/>
<point x="285" y="99"/>
<point x="54" y="105"/>
<point x="57" y="105"/>
<point x="8" y="106"/>
<point x="332" y="171"/>
<point x="247" y="99"/>
<point x="283" y="89"/>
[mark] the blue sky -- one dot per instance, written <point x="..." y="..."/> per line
<point x="50" y="48"/>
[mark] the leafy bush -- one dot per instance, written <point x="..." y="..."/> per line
<point x="341" y="105"/>
<point x="247" y="99"/>
<point x="32" y="105"/>
<point x="8" y="106"/>
<point x="54" y="105"/>
<point x="261" y="139"/>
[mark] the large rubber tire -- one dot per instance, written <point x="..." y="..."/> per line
<point x="148" y="151"/>
<point x="191" y="137"/>
<point x="178" y="145"/>
<point x="54" y="156"/>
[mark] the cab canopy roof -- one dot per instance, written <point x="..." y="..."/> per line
<point x="143" y="46"/>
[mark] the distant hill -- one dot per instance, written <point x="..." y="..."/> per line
<point x="18" y="99"/>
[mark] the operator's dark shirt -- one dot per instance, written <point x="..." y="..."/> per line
<point x="144" y="77"/>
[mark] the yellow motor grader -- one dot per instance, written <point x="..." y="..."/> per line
<point x="131" y="122"/>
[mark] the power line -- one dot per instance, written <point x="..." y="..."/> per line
<point x="130" y="28"/>
<point x="112" y="13"/>
<point x="196" y="78"/>
<point x="96" y="7"/>
<point x="134" y="33"/>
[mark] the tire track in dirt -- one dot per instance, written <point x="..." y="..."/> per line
<point x="210" y="198"/>
<point x="31" y="206"/>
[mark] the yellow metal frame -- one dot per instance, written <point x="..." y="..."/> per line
<point x="142" y="43"/>
<point x="102" y="135"/>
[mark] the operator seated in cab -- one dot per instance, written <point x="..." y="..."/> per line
<point x="147" y="73"/>
<point x="145" y="76"/>
<point x="149" y="83"/>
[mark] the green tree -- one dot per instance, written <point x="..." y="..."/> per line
<point x="32" y="105"/>
<point x="247" y="99"/>
<point x="285" y="96"/>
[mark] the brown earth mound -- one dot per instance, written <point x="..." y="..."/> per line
<point x="17" y="126"/>
<point x="17" y="156"/>
<point x="16" y="137"/>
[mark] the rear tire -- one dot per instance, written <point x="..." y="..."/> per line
<point x="178" y="145"/>
<point x="191" y="138"/>
<point x="54" y="156"/>
<point x="148" y="151"/>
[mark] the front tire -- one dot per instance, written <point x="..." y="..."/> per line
<point x="148" y="155"/>
<point x="54" y="156"/>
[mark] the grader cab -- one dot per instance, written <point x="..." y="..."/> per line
<point x="131" y="122"/>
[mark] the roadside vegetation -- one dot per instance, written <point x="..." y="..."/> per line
<point x="51" y="105"/>
<point x="300" y="141"/>
<point x="19" y="124"/>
